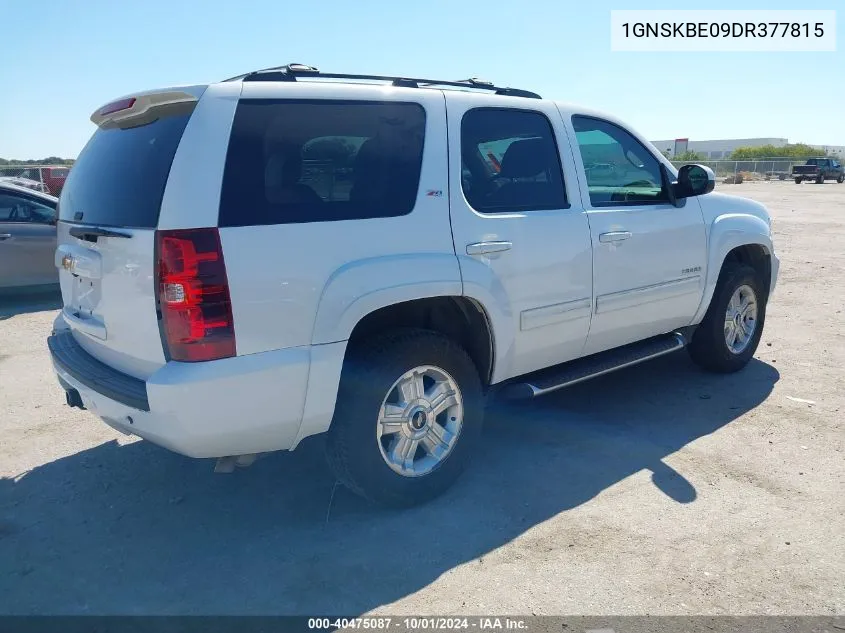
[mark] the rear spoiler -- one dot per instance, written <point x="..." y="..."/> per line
<point x="143" y="108"/>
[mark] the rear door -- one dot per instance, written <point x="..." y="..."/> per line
<point x="518" y="223"/>
<point x="27" y="240"/>
<point x="108" y="213"/>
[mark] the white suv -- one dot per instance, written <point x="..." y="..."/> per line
<point x="287" y="253"/>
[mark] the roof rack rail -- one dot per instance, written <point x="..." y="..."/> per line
<point x="290" y="72"/>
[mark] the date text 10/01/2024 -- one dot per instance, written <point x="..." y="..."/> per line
<point x="418" y="623"/>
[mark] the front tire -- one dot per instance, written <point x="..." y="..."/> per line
<point x="727" y="338"/>
<point x="841" y="179"/>
<point x="408" y="416"/>
<point x="820" y="179"/>
<point x="798" y="181"/>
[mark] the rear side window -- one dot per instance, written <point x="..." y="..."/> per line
<point x="510" y="161"/>
<point x="119" y="178"/>
<point x="293" y="161"/>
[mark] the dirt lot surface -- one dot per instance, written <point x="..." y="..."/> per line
<point x="656" y="490"/>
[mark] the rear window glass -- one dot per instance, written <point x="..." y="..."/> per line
<point x="119" y="178"/>
<point x="292" y="161"/>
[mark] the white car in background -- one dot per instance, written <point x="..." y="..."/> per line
<point x="26" y="183"/>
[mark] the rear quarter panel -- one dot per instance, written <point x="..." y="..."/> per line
<point x="192" y="195"/>
<point x="309" y="283"/>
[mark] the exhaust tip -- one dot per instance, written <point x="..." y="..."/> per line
<point x="73" y="399"/>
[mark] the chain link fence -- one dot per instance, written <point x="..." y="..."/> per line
<point x="737" y="171"/>
<point x="45" y="178"/>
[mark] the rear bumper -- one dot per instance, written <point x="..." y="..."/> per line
<point x="234" y="406"/>
<point x="71" y="360"/>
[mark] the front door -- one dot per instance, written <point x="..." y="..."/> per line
<point x="519" y="226"/>
<point x="27" y="241"/>
<point x="648" y="255"/>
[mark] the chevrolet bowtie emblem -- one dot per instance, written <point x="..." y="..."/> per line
<point x="68" y="262"/>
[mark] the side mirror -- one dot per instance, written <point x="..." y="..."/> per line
<point x="694" y="180"/>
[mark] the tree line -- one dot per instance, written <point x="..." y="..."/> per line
<point x="798" y="151"/>
<point x="50" y="160"/>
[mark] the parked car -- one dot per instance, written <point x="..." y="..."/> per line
<point x="819" y="170"/>
<point x="599" y="171"/>
<point x="26" y="183"/>
<point x="27" y="237"/>
<point x="217" y="305"/>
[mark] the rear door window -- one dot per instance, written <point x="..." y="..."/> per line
<point x="510" y="161"/>
<point x="119" y="178"/>
<point x="294" y="161"/>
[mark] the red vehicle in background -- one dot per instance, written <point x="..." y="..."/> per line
<point x="52" y="177"/>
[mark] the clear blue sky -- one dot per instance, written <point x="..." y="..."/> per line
<point x="75" y="56"/>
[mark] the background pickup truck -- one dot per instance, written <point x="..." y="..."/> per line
<point x="818" y="169"/>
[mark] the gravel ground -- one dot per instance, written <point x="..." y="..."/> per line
<point x="656" y="490"/>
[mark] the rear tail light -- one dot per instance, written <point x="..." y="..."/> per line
<point x="193" y="291"/>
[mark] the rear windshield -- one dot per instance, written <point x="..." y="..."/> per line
<point x="119" y="178"/>
<point x="292" y="161"/>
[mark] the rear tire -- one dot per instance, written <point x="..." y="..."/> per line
<point x="841" y="179"/>
<point x="820" y="179"/>
<point x="731" y="316"/>
<point x="394" y="462"/>
<point x="798" y="181"/>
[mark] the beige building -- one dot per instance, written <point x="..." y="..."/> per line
<point x="721" y="149"/>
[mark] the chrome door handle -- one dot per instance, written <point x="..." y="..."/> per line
<point x="484" y="248"/>
<point x="5" y="236"/>
<point x="614" y="236"/>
